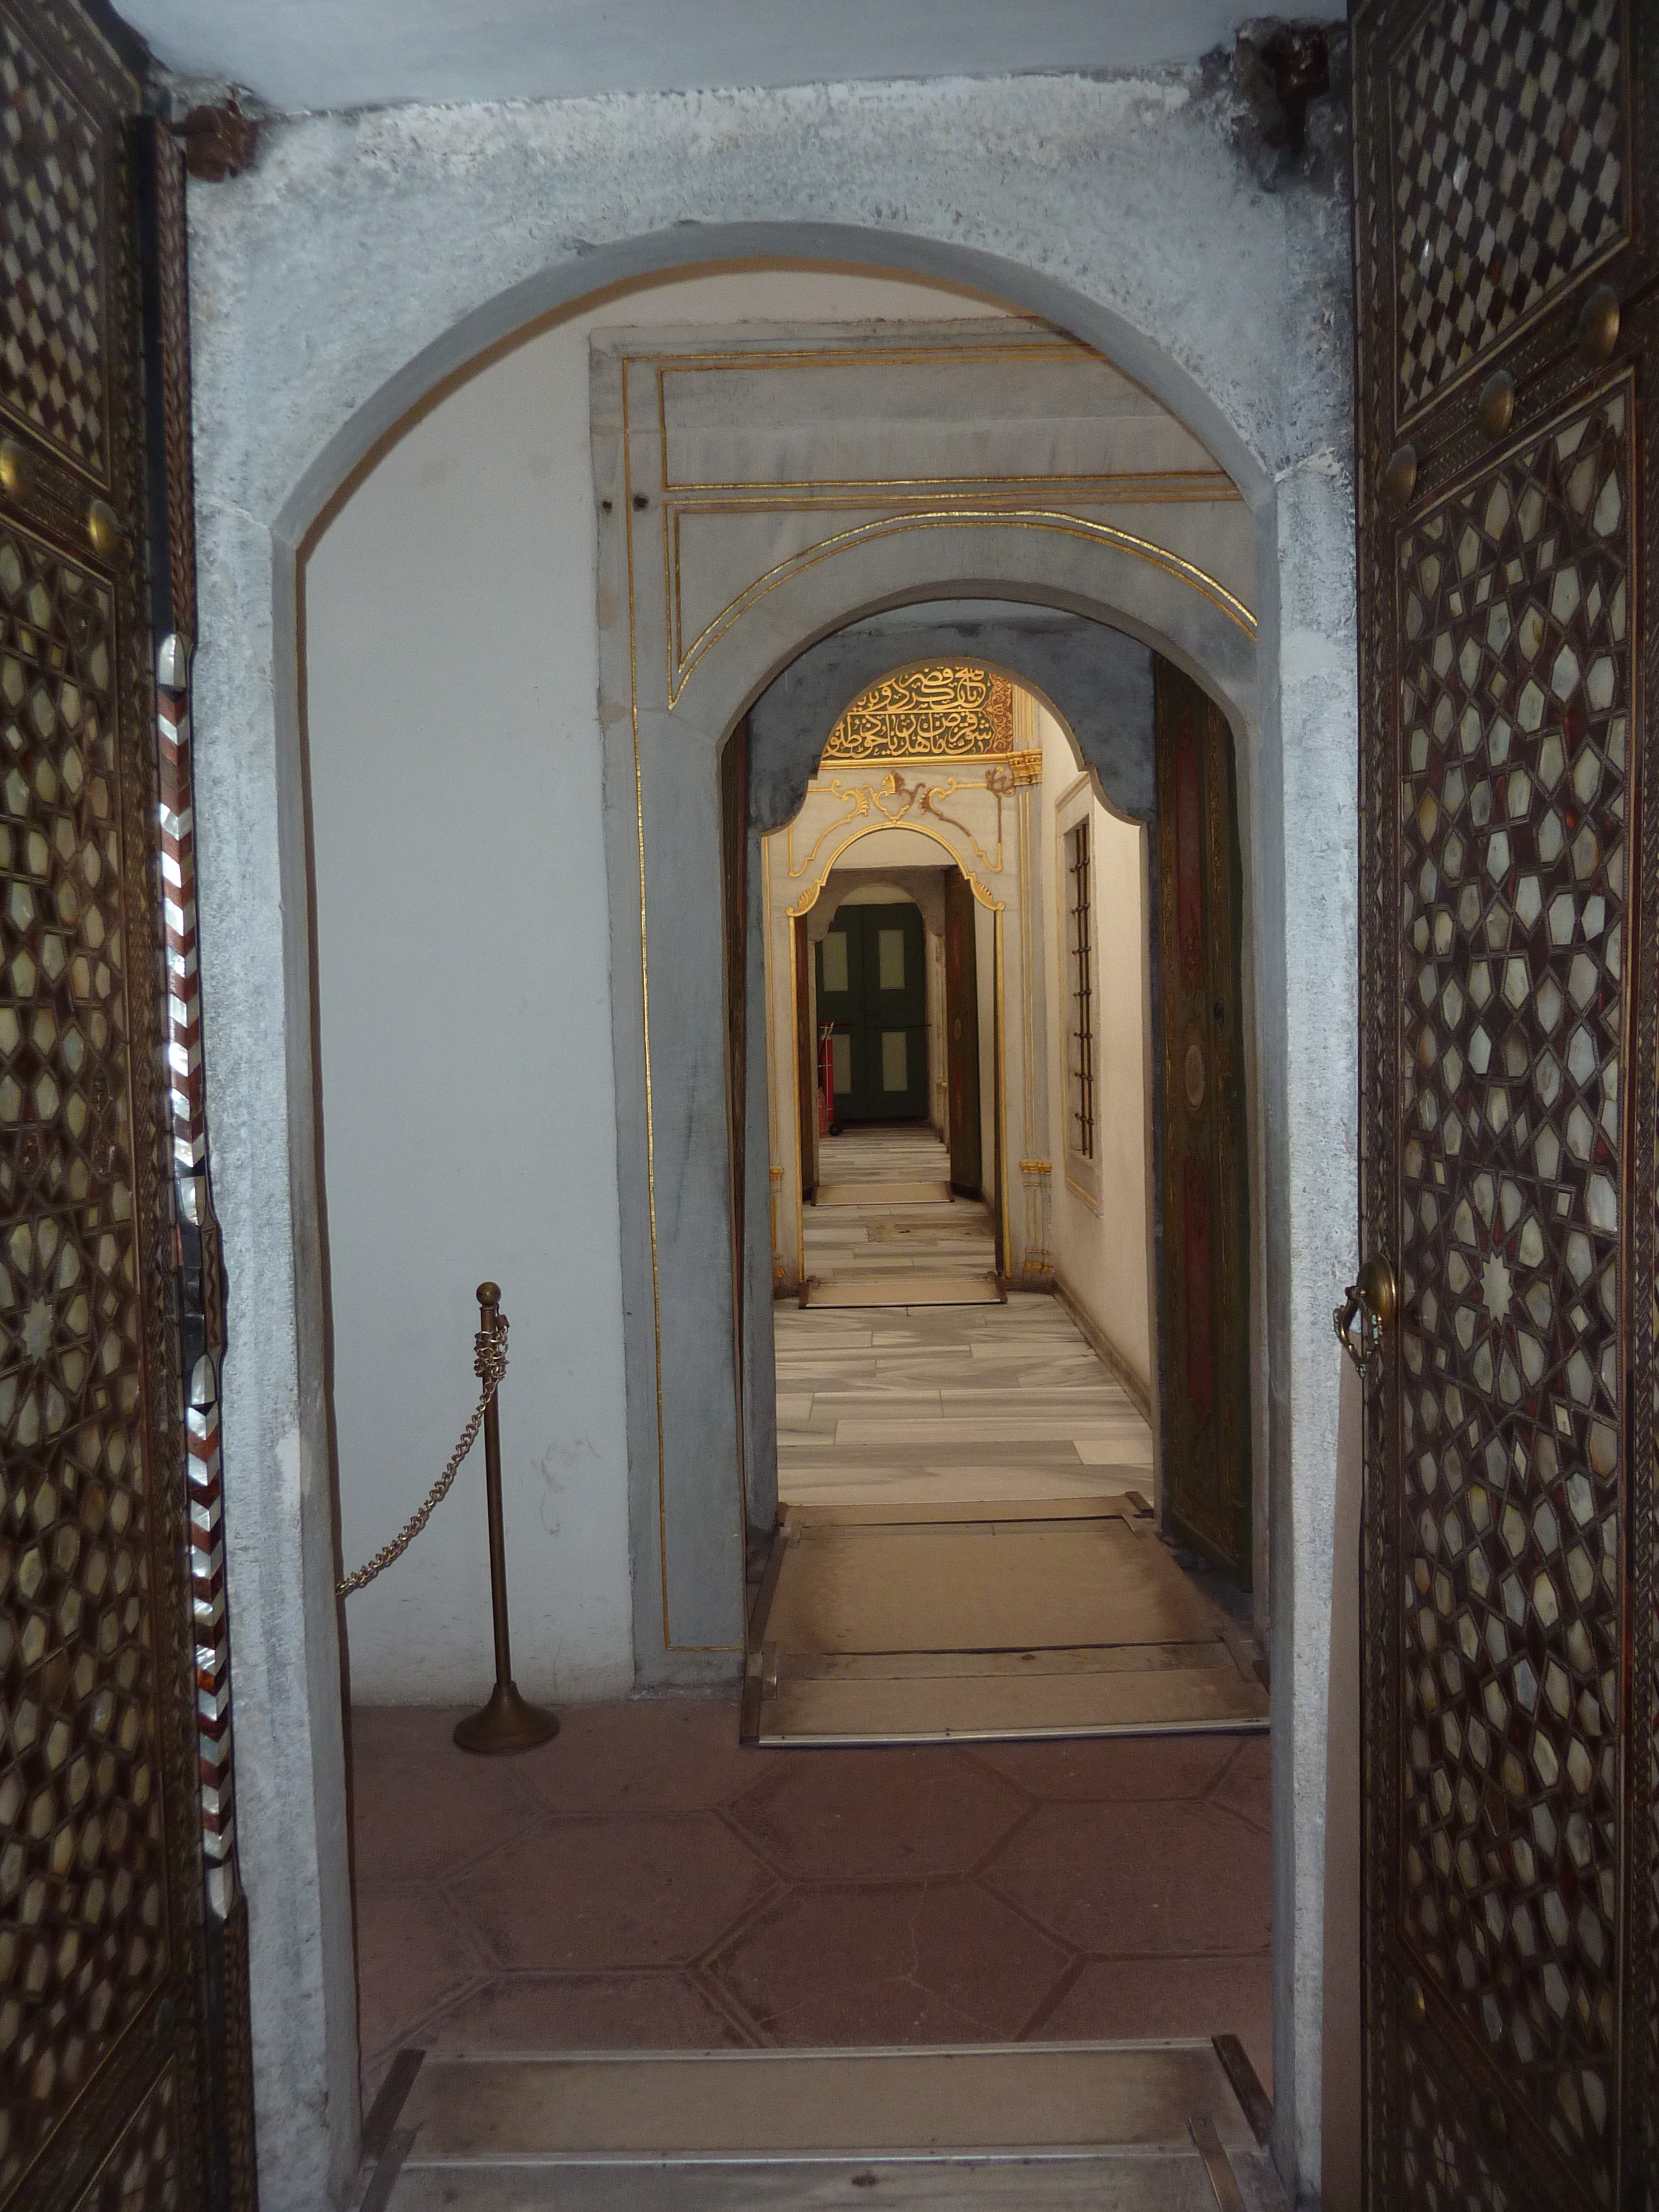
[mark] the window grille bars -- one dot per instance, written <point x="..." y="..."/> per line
<point x="1082" y="1035"/>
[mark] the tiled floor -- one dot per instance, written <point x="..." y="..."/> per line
<point x="881" y="1237"/>
<point x="948" y="1404"/>
<point x="643" y="1883"/>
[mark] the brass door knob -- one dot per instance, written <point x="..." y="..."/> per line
<point x="104" y="528"/>
<point x="1367" y="1312"/>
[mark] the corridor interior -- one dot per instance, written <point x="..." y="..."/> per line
<point x="648" y="1882"/>
<point x="966" y="1544"/>
<point x="999" y="1775"/>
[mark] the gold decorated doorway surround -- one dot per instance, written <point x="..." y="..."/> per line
<point x="756" y="497"/>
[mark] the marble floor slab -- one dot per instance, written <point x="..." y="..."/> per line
<point x="884" y="1211"/>
<point x="969" y="1403"/>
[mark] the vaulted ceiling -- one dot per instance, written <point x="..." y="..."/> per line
<point x="348" y="53"/>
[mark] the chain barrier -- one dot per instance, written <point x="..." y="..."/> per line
<point x="488" y="1365"/>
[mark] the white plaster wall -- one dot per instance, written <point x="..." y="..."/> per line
<point x="1100" y="1247"/>
<point x="366" y="258"/>
<point x="468" y="1110"/>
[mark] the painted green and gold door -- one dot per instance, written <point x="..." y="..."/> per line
<point x="873" y="990"/>
<point x="1507" y="162"/>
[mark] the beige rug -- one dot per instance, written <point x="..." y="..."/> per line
<point x="924" y="1630"/>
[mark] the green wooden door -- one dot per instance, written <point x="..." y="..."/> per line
<point x="872" y="990"/>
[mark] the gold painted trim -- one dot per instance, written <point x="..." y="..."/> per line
<point x="794" y="1063"/>
<point x="1002" y="1097"/>
<point x="865" y="533"/>
<point x="1125" y="488"/>
<point x="979" y="889"/>
<point x="768" y="981"/>
<point x="645" y="1026"/>
<point x="858" y="804"/>
<point x="669" y="1644"/>
<point x="921" y="795"/>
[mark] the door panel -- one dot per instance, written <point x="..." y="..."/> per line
<point x="734" y="901"/>
<point x="806" y="1060"/>
<point x="1505" y="228"/>
<point x="872" y="985"/>
<point x="962" y="1037"/>
<point x="121" y="1928"/>
<point x="1203" y="1302"/>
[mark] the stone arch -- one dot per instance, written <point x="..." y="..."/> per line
<point x="322" y="423"/>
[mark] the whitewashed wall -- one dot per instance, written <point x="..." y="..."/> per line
<point x="1099" y="1239"/>
<point x="451" y="702"/>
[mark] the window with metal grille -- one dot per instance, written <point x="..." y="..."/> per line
<point x="1080" y="960"/>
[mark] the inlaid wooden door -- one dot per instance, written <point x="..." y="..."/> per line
<point x="1506" y="174"/>
<point x="1204" y="1278"/>
<point x="124" y="2066"/>
<point x="962" y="1037"/>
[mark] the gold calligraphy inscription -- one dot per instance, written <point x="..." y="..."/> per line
<point x="942" y="710"/>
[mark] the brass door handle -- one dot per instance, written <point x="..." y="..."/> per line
<point x="1367" y="1312"/>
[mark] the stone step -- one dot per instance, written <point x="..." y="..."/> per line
<point x="1116" y="2127"/>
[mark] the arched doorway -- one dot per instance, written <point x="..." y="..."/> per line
<point x="310" y="501"/>
<point x="997" y="815"/>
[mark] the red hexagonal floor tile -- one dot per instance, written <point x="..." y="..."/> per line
<point x="412" y="1952"/>
<point x="663" y="2011"/>
<point x="926" y="1963"/>
<point x="588" y="1895"/>
<point x="1133" y="1879"/>
<point x="646" y="1755"/>
<point x="1247" y="1786"/>
<point x="421" y="1807"/>
<point x="1120" y="1768"/>
<point x="888" y="1814"/>
<point x="1129" y="1997"/>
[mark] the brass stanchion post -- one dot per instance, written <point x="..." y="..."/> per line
<point x="507" y="1722"/>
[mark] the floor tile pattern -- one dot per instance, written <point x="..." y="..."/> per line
<point x="951" y="1404"/>
<point x="892" y="1237"/>
<point x="642" y="1882"/>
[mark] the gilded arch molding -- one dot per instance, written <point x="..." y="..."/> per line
<point x="816" y="540"/>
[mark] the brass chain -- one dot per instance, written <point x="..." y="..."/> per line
<point x="488" y="1365"/>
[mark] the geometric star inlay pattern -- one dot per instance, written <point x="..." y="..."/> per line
<point x="1516" y="710"/>
<point x="52" y="340"/>
<point x="83" y="1937"/>
<point x="1509" y="170"/>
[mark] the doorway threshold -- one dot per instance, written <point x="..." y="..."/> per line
<point x="1155" y="2126"/>
<point x="977" y="1290"/>
<point x="979" y="1629"/>
<point x="885" y="1194"/>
